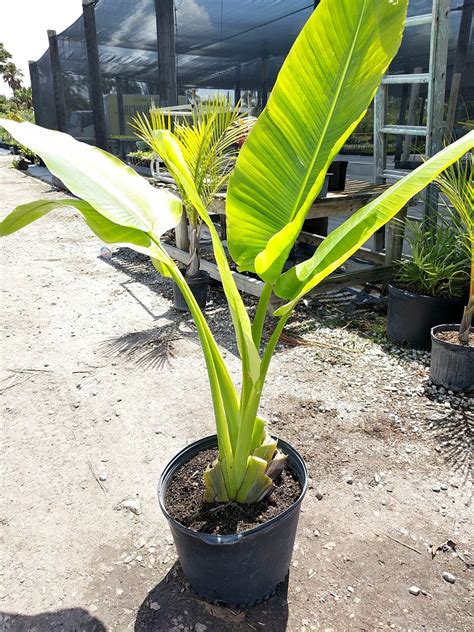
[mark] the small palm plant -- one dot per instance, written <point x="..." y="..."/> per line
<point x="456" y="184"/>
<point x="322" y="92"/>
<point x="208" y="142"/>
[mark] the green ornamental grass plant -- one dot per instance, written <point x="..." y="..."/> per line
<point x="439" y="263"/>
<point x="456" y="184"/>
<point x="323" y="91"/>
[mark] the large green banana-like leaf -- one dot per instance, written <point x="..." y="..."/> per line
<point x="107" y="231"/>
<point x="347" y="238"/>
<point x="170" y="151"/>
<point x="323" y="90"/>
<point x="113" y="189"/>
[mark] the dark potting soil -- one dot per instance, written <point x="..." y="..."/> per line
<point x="184" y="501"/>
<point x="452" y="337"/>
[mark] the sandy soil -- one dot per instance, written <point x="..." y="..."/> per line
<point x="391" y="467"/>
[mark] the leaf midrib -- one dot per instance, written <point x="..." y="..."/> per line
<point x="299" y="203"/>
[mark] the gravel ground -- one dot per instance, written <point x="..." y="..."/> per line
<point x="102" y="383"/>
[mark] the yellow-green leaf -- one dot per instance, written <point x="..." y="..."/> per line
<point x="114" y="190"/>
<point x="347" y="238"/>
<point x="170" y="151"/>
<point x="323" y="90"/>
<point x="107" y="231"/>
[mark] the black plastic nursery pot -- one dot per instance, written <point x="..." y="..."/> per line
<point x="452" y="365"/>
<point x="324" y="189"/>
<point x="411" y="316"/>
<point x="239" y="569"/>
<point x="337" y="179"/>
<point x="199" y="286"/>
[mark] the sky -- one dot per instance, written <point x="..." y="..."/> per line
<point x="23" y="26"/>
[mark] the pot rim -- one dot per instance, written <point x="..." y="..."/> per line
<point x="446" y="343"/>
<point x="423" y="297"/>
<point x="232" y="538"/>
<point x="200" y="278"/>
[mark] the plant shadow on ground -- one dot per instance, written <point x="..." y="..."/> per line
<point x="172" y="600"/>
<point x="70" y="619"/>
<point x="149" y="349"/>
<point x="140" y="270"/>
<point x="454" y="435"/>
<point x="362" y="312"/>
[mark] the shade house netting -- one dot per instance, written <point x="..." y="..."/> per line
<point x="220" y="44"/>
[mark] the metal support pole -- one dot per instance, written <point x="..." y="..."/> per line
<point x="437" y="85"/>
<point x="436" y="93"/>
<point x="121" y="116"/>
<point x="36" y="91"/>
<point x="120" y="106"/>
<point x="460" y="63"/>
<point x="380" y="151"/>
<point x="380" y="139"/>
<point x="264" y="83"/>
<point x="237" y="91"/>
<point x="95" y="77"/>
<point x="58" y="85"/>
<point x="166" y="46"/>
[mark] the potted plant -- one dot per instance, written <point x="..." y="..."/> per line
<point x="313" y="108"/>
<point x="141" y="160"/>
<point x="429" y="286"/>
<point x="208" y="142"/>
<point x="452" y="351"/>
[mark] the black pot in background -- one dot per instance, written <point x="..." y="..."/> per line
<point x="324" y="189"/>
<point x="238" y="569"/>
<point x="337" y="177"/>
<point x="198" y="285"/>
<point x="22" y="164"/>
<point x="452" y="366"/>
<point x="411" y="316"/>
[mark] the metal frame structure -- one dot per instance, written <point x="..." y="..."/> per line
<point x="435" y="78"/>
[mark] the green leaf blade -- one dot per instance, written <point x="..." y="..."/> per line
<point x="323" y="90"/>
<point x="347" y="238"/>
<point x="105" y="182"/>
<point x="170" y="151"/>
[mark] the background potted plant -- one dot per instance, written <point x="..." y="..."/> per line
<point x="429" y="286"/>
<point x="209" y="142"/>
<point x="452" y="352"/>
<point x="323" y="90"/>
<point x="141" y="160"/>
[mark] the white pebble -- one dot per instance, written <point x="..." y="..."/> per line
<point x="449" y="577"/>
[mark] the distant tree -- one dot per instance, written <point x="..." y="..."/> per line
<point x="12" y="76"/>
<point x="4" y="105"/>
<point x="10" y="73"/>
<point x="21" y="103"/>
<point x="5" y="56"/>
<point x="23" y="98"/>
